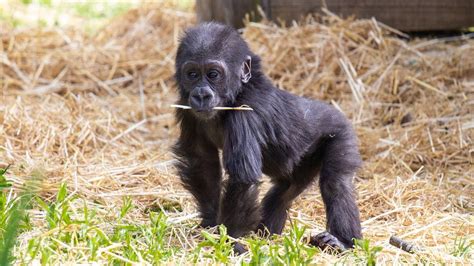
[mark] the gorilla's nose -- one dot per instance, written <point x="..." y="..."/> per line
<point x="201" y="98"/>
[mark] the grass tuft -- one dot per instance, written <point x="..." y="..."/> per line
<point x="462" y="247"/>
<point x="218" y="248"/>
<point x="13" y="219"/>
<point x="365" y="252"/>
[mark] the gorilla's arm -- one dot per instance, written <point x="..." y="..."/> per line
<point x="199" y="168"/>
<point x="243" y="162"/>
<point x="242" y="153"/>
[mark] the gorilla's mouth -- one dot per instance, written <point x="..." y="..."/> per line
<point x="203" y="110"/>
<point x="206" y="113"/>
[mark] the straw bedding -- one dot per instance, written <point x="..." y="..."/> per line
<point x="93" y="111"/>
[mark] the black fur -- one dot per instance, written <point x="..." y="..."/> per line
<point x="289" y="138"/>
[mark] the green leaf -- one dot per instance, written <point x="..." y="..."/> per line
<point x="208" y="237"/>
<point x="3" y="181"/>
<point x="62" y="193"/>
<point x="4" y="170"/>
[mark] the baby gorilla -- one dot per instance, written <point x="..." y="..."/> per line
<point x="288" y="138"/>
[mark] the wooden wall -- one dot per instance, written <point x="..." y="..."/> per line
<point x="406" y="15"/>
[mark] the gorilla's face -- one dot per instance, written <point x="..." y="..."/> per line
<point x="212" y="63"/>
<point x="204" y="85"/>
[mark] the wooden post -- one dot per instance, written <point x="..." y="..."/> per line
<point x="230" y="12"/>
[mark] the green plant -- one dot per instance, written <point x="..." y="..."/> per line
<point x="296" y="252"/>
<point x="156" y="235"/>
<point x="219" y="247"/>
<point x="462" y="246"/>
<point x="13" y="219"/>
<point x="93" y="237"/>
<point x="57" y="212"/>
<point x="364" y="252"/>
<point x="126" y="207"/>
<point x="256" y="249"/>
<point x="4" y="183"/>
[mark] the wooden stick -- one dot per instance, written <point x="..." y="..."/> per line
<point x="180" y="106"/>
<point x="402" y="244"/>
<point x="243" y="107"/>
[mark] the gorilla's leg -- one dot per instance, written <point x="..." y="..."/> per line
<point x="239" y="210"/>
<point x="200" y="172"/>
<point x="340" y="162"/>
<point x="279" y="198"/>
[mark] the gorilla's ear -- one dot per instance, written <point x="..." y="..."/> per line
<point x="246" y="70"/>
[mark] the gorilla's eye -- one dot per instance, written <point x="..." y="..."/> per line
<point x="192" y="75"/>
<point x="213" y="74"/>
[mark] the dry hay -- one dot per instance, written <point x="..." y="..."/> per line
<point x="93" y="111"/>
